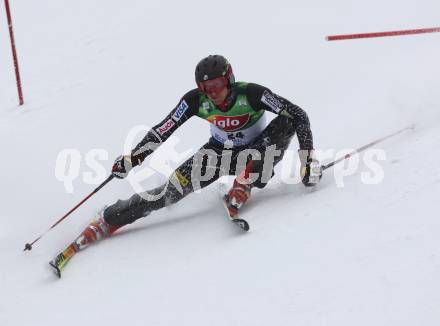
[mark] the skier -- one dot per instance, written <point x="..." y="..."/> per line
<point x="236" y="111"/>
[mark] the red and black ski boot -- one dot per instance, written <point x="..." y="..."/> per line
<point x="97" y="229"/>
<point x="237" y="196"/>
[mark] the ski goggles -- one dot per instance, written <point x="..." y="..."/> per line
<point x="215" y="85"/>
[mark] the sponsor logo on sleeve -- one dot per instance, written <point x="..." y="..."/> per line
<point x="165" y="127"/>
<point x="272" y="102"/>
<point x="180" y="111"/>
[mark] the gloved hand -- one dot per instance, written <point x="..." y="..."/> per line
<point x="311" y="169"/>
<point x="122" y="166"/>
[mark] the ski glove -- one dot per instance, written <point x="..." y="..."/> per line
<point x="311" y="169"/>
<point x="122" y="166"/>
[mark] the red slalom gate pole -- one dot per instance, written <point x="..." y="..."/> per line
<point x="383" y="34"/>
<point x="14" y="52"/>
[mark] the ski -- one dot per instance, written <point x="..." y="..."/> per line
<point x="234" y="218"/>
<point x="61" y="260"/>
<point x="96" y="230"/>
<point x="241" y="223"/>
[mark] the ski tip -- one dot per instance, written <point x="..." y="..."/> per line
<point x="241" y="224"/>
<point x="55" y="269"/>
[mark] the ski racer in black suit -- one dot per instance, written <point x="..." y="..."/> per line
<point x="241" y="144"/>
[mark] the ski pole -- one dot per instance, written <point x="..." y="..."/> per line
<point x="28" y="246"/>
<point x="362" y="148"/>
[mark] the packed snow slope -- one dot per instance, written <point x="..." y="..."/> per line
<point x="93" y="71"/>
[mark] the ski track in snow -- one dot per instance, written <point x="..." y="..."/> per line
<point x="357" y="255"/>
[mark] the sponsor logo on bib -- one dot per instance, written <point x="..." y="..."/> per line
<point x="231" y="123"/>
<point x="206" y="106"/>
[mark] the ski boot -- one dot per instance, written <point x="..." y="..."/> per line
<point x="237" y="196"/>
<point x="97" y="229"/>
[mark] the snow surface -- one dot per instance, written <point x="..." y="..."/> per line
<point x="354" y="255"/>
